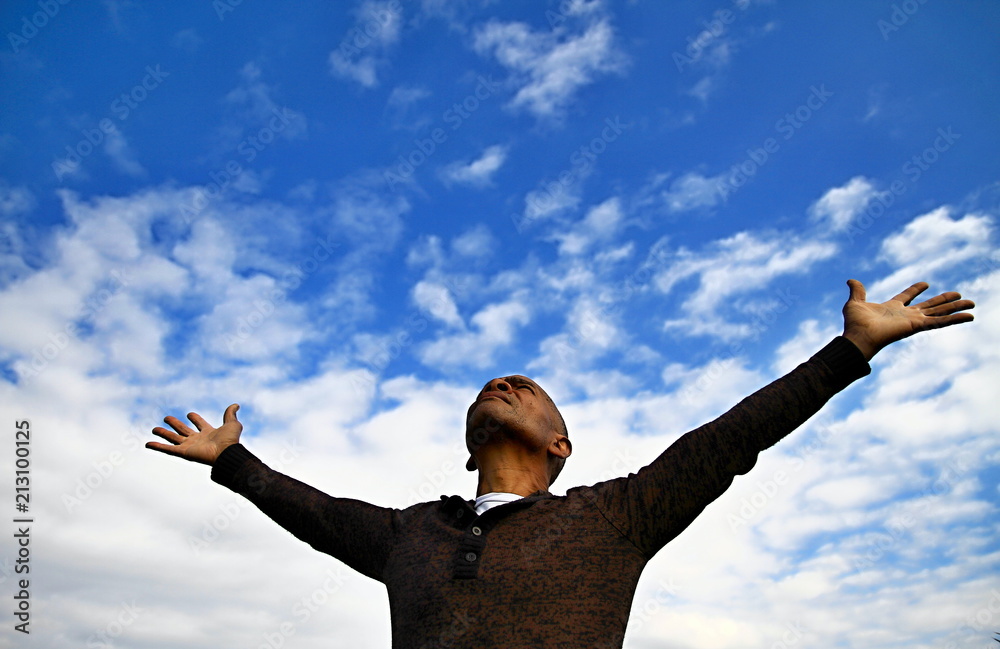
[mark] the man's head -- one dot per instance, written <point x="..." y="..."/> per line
<point x="515" y="413"/>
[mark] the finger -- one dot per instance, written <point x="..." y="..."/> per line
<point x="857" y="291"/>
<point x="178" y="425"/>
<point x="230" y="414"/>
<point x="950" y="296"/>
<point x="162" y="448"/>
<point x="948" y="308"/>
<point x="948" y="320"/>
<point x="171" y="437"/>
<point x="907" y="296"/>
<point x="198" y="421"/>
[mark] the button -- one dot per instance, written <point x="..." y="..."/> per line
<point x="477" y="531"/>
<point x="470" y="557"/>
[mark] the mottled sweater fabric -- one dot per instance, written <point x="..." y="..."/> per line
<point x="544" y="571"/>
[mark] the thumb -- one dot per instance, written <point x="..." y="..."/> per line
<point x="230" y="414"/>
<point x="857" y="291"/>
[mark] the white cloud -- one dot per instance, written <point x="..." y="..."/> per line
<point x="929" y="245"/>
<point x="477" y="242"/>
<point x="253" y="108"/>
<point x="477" y="173"/>
<point x="367" y="213"/>
<point x="809" y="338"/>
<point x="839" y="206"/>
<point x="549" y="68"/>
<point x="121" y="154"/>
<point x="493" y="327"/>
<point x="928" y="234"/>
<point x="361" y="70"/>
<point x="731" y="269"/>
<point x="402" y="97"/>
<point x="399" y="104"/>
<point x="15" y="200"/>
<point x="704" y="88"/>
<point x="363" y="50"/>
<point x="549" y="200"/>
<point x="600" y="224"/>
<point x="581" y="7"/>
<point x="922" y="411"/>
<point x="693" y="190"/>
<point x="438" y="302"/>
<point x="187" y="40"/>
<point x="13" y="253"/>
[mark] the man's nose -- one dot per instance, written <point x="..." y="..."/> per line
<point x="498" y="385"/>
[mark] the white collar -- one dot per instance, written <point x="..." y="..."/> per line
<point x="494" y="498"/>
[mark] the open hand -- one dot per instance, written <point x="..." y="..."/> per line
<point x="203" y="446"/>
<point x="872" y="326"/>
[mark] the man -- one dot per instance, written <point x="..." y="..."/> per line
<point x="520" y="567"/>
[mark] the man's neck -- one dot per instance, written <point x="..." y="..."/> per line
<point x="514" y="480"/>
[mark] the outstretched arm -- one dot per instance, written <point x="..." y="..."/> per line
<point x="203" y="445"/>
<point x="662" y="499"/>
<point x="357" y="533"/>
<point x="872" y="326"/>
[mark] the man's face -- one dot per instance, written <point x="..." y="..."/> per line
<point x="515" y="405"/>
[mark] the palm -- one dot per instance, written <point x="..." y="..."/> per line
<point x="872" y="326"/>
<point x="203" y="445"/>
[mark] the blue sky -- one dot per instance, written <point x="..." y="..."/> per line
<point x="348" y="216"/>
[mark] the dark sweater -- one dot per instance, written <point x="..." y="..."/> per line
<point x="544" y="571"/>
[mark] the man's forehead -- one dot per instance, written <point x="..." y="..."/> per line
<point x="514" y="378"/>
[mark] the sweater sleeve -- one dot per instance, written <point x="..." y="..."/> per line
<point x="358" y="533"/>
<point x="656" y="504"/>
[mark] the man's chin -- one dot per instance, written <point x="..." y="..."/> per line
<point x="485" y="420"/>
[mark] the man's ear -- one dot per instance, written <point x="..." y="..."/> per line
<point x="561" y="447"/>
